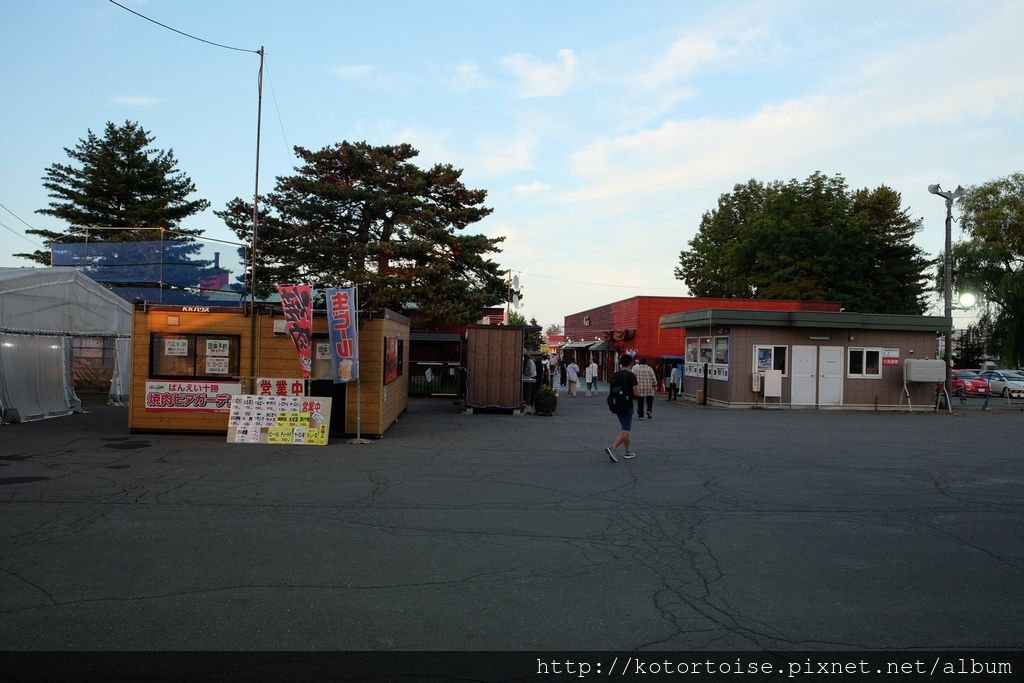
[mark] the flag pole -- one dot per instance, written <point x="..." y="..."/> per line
<point x="359" y="382"/>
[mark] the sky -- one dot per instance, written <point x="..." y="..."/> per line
<point x="602" y="131"/>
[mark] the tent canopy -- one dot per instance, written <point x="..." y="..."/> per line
<point x="41" y="310"/>
<point x="60" y="301"/>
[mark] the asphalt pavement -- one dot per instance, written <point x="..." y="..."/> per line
<point x="732" y="530"/>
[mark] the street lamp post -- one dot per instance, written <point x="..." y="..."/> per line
<point x="947" y="276"/>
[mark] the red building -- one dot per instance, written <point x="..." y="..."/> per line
<point x="633" y="326"/>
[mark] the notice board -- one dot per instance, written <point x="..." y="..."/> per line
<point x="279" y="420"/>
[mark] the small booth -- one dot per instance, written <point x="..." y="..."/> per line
<point x="494" y="366"/>
<point x="189" y="361"/>
<point x="806" y="359"/>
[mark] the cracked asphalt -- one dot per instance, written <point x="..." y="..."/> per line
<point x="731" y="530"/>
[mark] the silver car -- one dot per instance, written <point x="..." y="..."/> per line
<point x="1005" y="383"/>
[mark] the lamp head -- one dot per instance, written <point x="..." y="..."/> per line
<point x="935" y="189"/>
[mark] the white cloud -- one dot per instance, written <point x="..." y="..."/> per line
<point x="505" y="155"/>
<point x="694" y="52"/>
<point x="853" y="122"/>
<point x="531" y="188"/>
<point x="468" y="77"/>
<point x="136" y="101"/>
<point x="540" y="79"/>
<point x="353" y="71"/>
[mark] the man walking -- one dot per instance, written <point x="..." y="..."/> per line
<point x="675" y="382"/>
<point x="592" y="378"/>
<point x="648" y="384"/>
<point x="622" y="390"/>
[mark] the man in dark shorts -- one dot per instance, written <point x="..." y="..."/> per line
<point x="626" y="381"/>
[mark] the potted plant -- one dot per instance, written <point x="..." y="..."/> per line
<point x="545" y="401"/>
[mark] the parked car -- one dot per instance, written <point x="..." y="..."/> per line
<point x="1004" y="382"/>
<point x="968" y="383"/>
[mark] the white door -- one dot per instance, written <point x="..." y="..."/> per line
<point x="830" y="375"/>
<point x="802" y="375"/>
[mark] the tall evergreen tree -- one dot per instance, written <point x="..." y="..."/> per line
<point x="356" y="213"/>
<point x="117" y="181"/>
<point x="808" y="240"/>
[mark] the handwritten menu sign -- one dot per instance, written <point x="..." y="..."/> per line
<point x="295" y="420"/>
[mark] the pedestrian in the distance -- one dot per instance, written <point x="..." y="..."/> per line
<point x="572" y="375"/>
<point x="622" y="391"/>
<point x="675" y="382"/>
<point x="648" y="384"/>
<point x="591" y="378"/>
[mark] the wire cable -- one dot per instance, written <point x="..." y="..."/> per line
<point x="24" y="237"/>
<point x="288" y="147"/>
<point x="599" y="284"/>
<point x="187" y="35"/>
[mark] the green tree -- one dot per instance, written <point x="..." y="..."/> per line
<point x="808" y="240"/>
<point x="990" y="262"/>
<point x="553" y="329"/>
<point x="355" y="213"/>
<point x="117" y="181"/>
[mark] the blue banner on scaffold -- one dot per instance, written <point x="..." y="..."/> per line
<point x="343" y="325"/>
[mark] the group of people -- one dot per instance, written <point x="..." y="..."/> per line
<point x="568" y="371"/>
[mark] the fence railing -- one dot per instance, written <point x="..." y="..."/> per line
<point x="435" y="378"/>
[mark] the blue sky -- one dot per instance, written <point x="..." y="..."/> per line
<point x="602" y="131"/>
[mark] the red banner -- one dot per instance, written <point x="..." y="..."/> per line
<point x="297" y="303"/>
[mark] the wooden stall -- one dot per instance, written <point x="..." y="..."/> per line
<point x="187" y="362"/>
<point x="494" y="366"/>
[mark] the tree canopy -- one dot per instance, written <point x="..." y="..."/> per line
<point x="117" y="181"/>
<point x="356" y="213"/>
<point x="990" y="262"/>
<point x="809" y="240"/>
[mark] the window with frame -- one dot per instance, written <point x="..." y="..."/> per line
<point x="864" y="363"/>
<point x="771" y="358"/>
<point x="202" y="356"/>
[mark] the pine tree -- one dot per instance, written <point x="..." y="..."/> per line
<point x="355" y="213"/>
<point x="117" y="181"/>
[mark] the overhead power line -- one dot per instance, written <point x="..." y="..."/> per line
<point x="9" y="229"/>
<point x="187" y="35"/>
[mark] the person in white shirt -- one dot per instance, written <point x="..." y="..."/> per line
<point x="591" y="377"/>
<point x="572" y="377"/>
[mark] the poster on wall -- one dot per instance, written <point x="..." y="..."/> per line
<point x="279" y="420"/>
<point x="205" y="397"/>
<point x="344" y="330"/>
<point x="297" y="304"/>
<point x="890" y="357"/>
<point x="217" y="366"/>
<point x="175" y="347"/>
<point x="392" y="359"/>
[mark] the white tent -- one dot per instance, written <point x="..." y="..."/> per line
<point x="41" y="311"/>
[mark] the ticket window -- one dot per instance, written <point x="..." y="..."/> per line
<point x="194" y="356"/>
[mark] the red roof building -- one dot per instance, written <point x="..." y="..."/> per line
<point x="633" y="326"/>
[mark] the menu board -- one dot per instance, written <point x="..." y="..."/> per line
<point x="280" y="420"/>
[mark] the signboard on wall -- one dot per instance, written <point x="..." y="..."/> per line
<point x="197" y="396"/>
<point x="280" y="420"/>
<point x="280" y="386"/>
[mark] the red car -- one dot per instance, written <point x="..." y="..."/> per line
<point x="967" y="383"/>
